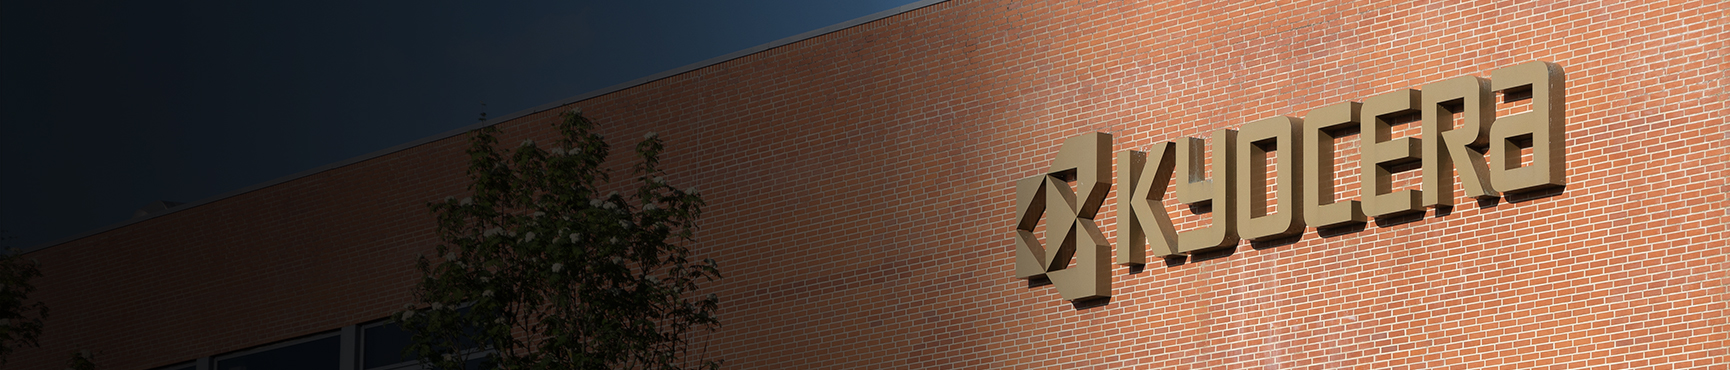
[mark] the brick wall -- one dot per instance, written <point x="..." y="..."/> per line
<point x="861" y="197"/>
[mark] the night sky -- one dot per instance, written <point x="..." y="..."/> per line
<point x="109" y="106"/>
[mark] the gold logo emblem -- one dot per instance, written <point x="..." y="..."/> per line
<point x="1483" y="149"/>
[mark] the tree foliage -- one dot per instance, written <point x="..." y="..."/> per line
<point x="81" y="360"/>
<point x="542" y="270"/>
<point x="20" y="320"/>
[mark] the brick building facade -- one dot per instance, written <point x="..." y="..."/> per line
<point x="861" y="189"/>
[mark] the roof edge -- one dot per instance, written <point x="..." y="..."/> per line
<point x="501" y="119"/>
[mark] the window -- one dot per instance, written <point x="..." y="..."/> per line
<point x="318" y="352"/>
<point x="374" y="346"/>
<point x="189" y="365"/>
<point x="382" y="344"/>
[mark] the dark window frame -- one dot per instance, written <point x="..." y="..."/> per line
<point x="216" y="361"/>
<point x="361" y="351"/>
<point x="183" y="365"/>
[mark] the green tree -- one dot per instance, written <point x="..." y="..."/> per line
<point x="20" y="319"/>
<point x="81" y="360"/>
<point x="543" y="271"/>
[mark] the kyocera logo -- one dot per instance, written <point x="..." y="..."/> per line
<point x="1237" y="192"/>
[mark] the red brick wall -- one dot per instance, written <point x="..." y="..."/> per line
<point x="861" y="200"/>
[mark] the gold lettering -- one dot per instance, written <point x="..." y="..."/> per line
<point x="1542" y="127"/>
<point x="1194" y="189"/>
<point x="1320" y="209"/>
<point x="1446" y="145"/>
<point x="1141" y="216"/>
<point x="1279" y="134"/>
<point x="1380" y="153"/>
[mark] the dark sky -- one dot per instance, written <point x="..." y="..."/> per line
<point x="108" y="106"/>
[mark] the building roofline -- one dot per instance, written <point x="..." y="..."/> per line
<point x="501" y="119"/>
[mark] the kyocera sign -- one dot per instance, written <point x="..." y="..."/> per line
<point x="1237" y="192"/>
